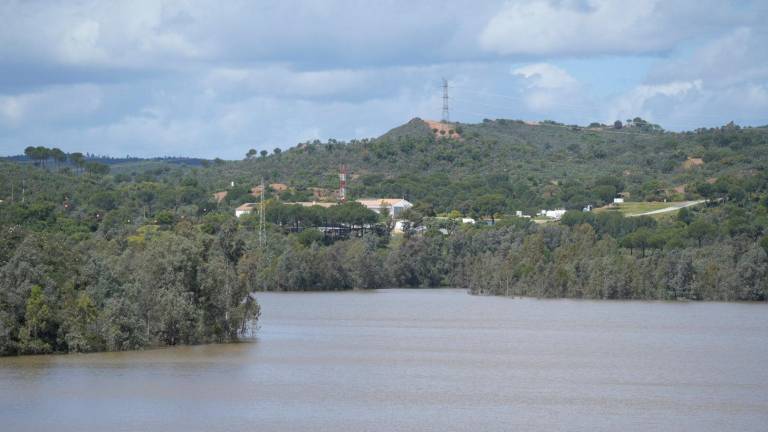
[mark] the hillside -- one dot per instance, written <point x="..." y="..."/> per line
<point x="526" y="166"/>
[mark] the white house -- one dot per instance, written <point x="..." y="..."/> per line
<point x="552" y="214"/>
<point x="393" y="206"/>
<point x="245" y="209"/>
<point x="618" y="200"/>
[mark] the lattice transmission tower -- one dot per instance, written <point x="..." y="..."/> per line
<point x="446" y="110"/>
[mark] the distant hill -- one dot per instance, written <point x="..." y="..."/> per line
<point x="118" y="161"/>
<point x="526" y="165"/>
<point x="497" y="165"/>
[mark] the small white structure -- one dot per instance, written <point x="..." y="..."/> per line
<point x="618" y="200"/>
<point x="588" y="208"/>
<point x="552" y="214"/>
<point x="400" y="226"/>
<point x="555" y="214"/>
<point x="467" y="221"/>
<point x="394" y="206"/>
<point x="245" y="209"/>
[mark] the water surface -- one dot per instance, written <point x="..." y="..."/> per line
<point x="431" y="360"/>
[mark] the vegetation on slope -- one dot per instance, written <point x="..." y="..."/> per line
<point x="513" y="165"/>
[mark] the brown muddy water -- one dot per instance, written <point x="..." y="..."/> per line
<point x="421" y="360"/>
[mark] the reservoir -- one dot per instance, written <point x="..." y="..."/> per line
<point x="420" y="360"/>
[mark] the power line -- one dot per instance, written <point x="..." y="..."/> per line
<point x="446" y="111"/>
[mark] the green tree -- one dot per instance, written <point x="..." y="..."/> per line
<point x="58" y="155"/>
<point x="605" y="192"/>
<point x="37" y="335"/>
<point x="700" y="230"/>
<point x="165" y="218"/>
<point x="640" y="239"/>
<point x="78" y="159"/>
<point x="685" y="216"/>
<point x="489" y="205"/>
<point x="79" y="326"/>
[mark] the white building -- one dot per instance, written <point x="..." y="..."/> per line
<point x="618" y="200"/>
<point x="552" y="214"/>
<point x="245" y="209"/>
<point x="393" y="206"/>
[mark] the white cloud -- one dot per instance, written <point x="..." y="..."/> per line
<point x="281" y="80"/>
<point x="638" y="101"/>
<point x="80" y="43"/>
<point x="11" y="110"/>
<point x="147" y="33"/>
<point x="544" y="27"/>
<point x="545" y="75"/>
<point x="171" y="33"/>
<point x="725" y="79"/>
<point x="50" y="105"/>
<point x="548" y="89"/>
<point x="737" y="57"/>
<point x="588" y="27"/>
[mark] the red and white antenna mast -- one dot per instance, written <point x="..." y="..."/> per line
<point x="343" y="183"/>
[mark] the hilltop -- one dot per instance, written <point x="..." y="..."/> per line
<point x="417" y="128"/>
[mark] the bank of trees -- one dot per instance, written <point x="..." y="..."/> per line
<point x="528" y="260"/>
<point x="161" y="287"/>
<point x="575" y="262"/>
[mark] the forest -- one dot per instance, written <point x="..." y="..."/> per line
<point x="141" y="254"/>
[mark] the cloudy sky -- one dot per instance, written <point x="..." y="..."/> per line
<point x="215" y="78"/>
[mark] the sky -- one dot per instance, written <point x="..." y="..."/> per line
<point x="215" y="78"/>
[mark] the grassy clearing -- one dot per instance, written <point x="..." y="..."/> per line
<point x="635" y="208"/>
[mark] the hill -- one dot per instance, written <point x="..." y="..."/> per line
<point x="525" y="166"/>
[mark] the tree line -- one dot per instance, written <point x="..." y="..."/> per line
<point x="41" y="155"/>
